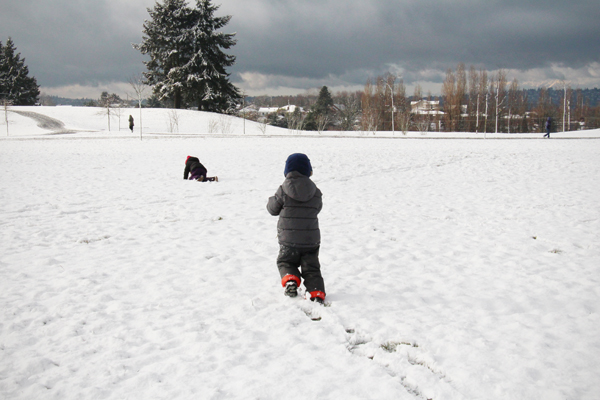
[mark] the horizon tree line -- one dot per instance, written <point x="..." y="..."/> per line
<point x="471" y="100"/>
<point x="479" y="102"/>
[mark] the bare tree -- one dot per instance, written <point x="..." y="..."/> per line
<point x="485" y="98"/>
<point x="512" y="102"/>
<point x="348" y="105"/>
<point x="139" y="88"/>
<point x="382" y="102"/>
<point x="109" y="102"/>
<point x="543" y="110"/>
<point x="322" y="121"/>
<point x="5" y="104"/>
<point x="418" y="97"/>
<point x="173" y="121"/>
<point x="517" y="108"/>
<point x="369" y="119"/>
<point x="213" y="125"/>
<point x="118" y="111"/>
<point x="263" y="121"/>
<point x="566" y="114"/>
<point x="295" y="120"/>
<point x="500" y="95"/>
<point x="473" y="104"/>
<point x="582" y="109"/>
<point x="423" y="123"/>
<point x="460" y="96"/>
<point x="389" y="81"/>
<point x="225" y="123"/>
<point x="449" y="95"/>
<point x="402" y="107"/>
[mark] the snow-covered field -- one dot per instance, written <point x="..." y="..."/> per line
<point x="455" y="268"/>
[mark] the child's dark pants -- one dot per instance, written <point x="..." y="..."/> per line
<point x="290" y="258"/>
<point x="197" y="173"/>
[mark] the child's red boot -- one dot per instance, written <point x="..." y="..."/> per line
<point x="317" y="296"/>
<point x="290" y="283"/>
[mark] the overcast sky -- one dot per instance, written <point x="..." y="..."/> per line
<point x="78" y="48"/>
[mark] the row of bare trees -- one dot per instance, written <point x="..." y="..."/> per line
<point x="472" y="100"/>
<point x="477" y="101"/>
<point x="385" y="105"/>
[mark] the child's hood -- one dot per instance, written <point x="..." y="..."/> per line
<point x="299" y="187"/>
<point x="298" y="162"/>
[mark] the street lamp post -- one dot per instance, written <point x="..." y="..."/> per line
<point x="564" y="105"/>
<point x="244" y="109"/>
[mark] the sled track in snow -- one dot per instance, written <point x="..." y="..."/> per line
<point x="45" y="122"/>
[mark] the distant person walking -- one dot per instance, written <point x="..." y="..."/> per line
<point x="548" y="127"/>
<point x="131" y="123"/>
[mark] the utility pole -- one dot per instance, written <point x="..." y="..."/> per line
<point x="569" y="108"/>
<point x="564" y="105"/>
<point x="392" y="95"/>
<point x="497" y="103"/>
<point x="486" y="115"/>
<point x="244" y="109"/>
<point x="477" y="123"/>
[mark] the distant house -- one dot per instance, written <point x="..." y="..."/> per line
<point x="290" y="108"/>
<point x="251" y="109"/>
<point x="426" y="107"/>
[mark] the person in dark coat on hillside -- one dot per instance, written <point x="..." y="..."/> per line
<point x="131" y="123"/>
<point x="548" y="127"/>
<point x="297" y="202"/>
<point x="194" y="170"/>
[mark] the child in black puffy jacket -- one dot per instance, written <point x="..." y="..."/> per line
<point x="298" y="202"/>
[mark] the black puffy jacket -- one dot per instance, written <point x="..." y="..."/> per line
<point x="192" y="163"/>
<point x="297" y="202"/>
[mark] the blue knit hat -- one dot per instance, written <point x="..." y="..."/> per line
<point x="298" y="162"/>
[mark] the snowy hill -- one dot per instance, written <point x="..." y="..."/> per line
<point x="94" y="122"/>
<point x="455" y="269"/>
<point x="91" y="121"/>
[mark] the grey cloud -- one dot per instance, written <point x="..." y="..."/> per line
<point x="72" y="42"/>
<point x="417" y="35"/>
<point x="317" y="40"/>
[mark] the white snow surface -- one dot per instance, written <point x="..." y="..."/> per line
<point x="454" y="268"/>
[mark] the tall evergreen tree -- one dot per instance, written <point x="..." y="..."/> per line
<point x="15" y="83"/>
<point x="163" y="40"/>
<point x="320" y="115"/>
<point x="207" y="77"/>
<point x="187" y="63"/>
<point x="324" y="102"/>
